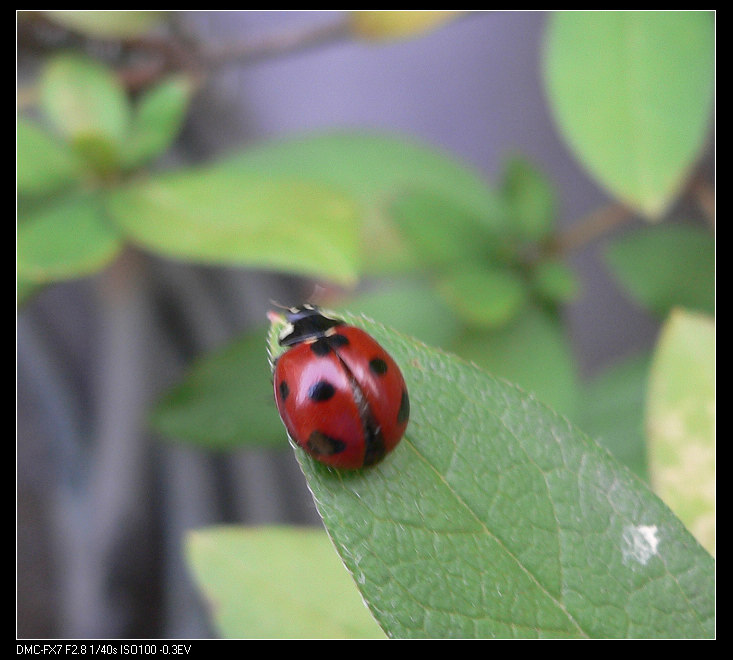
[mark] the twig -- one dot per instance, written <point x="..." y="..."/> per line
<point x="166" y="54"/>
<point x="173" y="55"/>
<point x="596" y="224"/>
<point x="704" y="195"/>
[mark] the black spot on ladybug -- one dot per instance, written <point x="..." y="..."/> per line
<point x="403" y="414"/>
<point x="337" y="341"/>
<point x="375" y="449"/>
<point x="378" y="366"/>
<point x="321" y="391"/>
<point x="324" y="345"/>
<point x="284" y="390"/>
<point x="321" y="347"/>
<point x="321" y="444"/>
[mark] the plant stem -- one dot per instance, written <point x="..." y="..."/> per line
<point x="173" y="55"/>
<point x="704" y="194"/>
<point x="592" y="226"/>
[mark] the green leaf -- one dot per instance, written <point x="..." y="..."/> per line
<point x="101" y="154"/>
<point x="441" y="233"/>
<point x="227" y="216"/>
<point x="680" y="421"/>
<point x="488" y="296"/>
<point x="106" y="23"/>
<point x="531" y="200"/>
<point x="666" y="266"/>
<point x="85" y="101"/>
<point x="611" y="410"/>
<point x="157" y="120"/>
<point x="277" y="583"/>
<point x="554" y="281"/>
<point x="632" y="92"/>
<point x="494" y="517"/>
<point x="531" y="351"/>
<point x="374" y="168"/>
<point x="410" y="307"/>
<point x="44" y="165"/>
<point x="225" y="400"/>
<point x="69" y="238"/>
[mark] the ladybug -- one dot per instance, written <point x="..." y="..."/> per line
<point x="340" y="395"/>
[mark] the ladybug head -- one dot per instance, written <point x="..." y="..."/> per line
<point x="304" y="323"/>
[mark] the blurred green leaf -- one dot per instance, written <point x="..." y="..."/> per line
<point x="488" y="296"/>
<point x="611" y="411"/>
<point x="441" y="233"/>
<point x="277" y="582"/>
<point x="410" y="307"/>
<point x="374" y="168"/>
<point x="44" y="165"/>
<point x="106" y="23"/>
<point x="225" y="400"/>
<point x="680" y="421"/>
<point x="157" y="119"/>
<point x="632" y="92"/>
<point x="228" y="216"/>
<point x="555" y="281"/>
<point x="100" y="154"/>
<point x="666" y="266"/>
<point x="69" y="238"/>
<point x="531" y="351"/>
<point x="531" y="200"/>
<point x="494" y="517"/>
<point x="85" y="102"/>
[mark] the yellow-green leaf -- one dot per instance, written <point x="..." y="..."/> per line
<point x="112" y="24"/>
<point x="44" y="164"/>
<point x="218" y="215"/>
<point x="83" y="99"/>
<point x="157" y="120"/>
<point x="277" y="582"/>
<point x="391" y="24"/>
<point x="632" y="92"/>
<point x="680" y="421"/>
<point x="67" y="239"/>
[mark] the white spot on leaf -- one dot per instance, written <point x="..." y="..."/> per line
<point x="639" y="543"/>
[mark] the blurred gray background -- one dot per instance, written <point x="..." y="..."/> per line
<point x="102" y="503"/>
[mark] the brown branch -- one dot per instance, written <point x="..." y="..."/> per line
<point x="162" y="55"/>
<point x="172" y="55"/>
<point x="596" y="224"/>
<point x="704" y="194"/>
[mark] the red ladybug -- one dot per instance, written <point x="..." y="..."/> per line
<point x="340" y="395"/>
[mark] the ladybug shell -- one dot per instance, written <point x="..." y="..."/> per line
<point x="342" y="398"/>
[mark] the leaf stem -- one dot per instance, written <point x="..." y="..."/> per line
<point x="703" y="193"/>
<point x="592" y="226"/>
